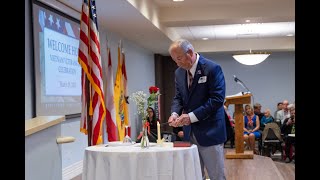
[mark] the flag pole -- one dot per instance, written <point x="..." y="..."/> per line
<point x="120" y="46"/>
<point x="89" y="121"/>
<point x="104" y="131"/>
<point x="90" y="112"/>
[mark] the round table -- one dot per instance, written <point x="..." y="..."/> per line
<point x="119" y="162"/>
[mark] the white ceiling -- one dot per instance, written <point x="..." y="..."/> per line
<point x="236" y="31"/>
<point x="154" y="24"/>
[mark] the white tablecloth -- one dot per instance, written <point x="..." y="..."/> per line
<point x="133" y="163"/>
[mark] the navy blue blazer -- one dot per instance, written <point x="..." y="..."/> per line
<point x="205" y="99"/>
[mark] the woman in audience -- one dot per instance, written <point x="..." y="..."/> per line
<point x="267" y="118"/>
<point x="251" y="128"/>
<point x="151" y="118"/>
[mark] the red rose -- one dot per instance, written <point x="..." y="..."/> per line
<point x="153" y="89"/>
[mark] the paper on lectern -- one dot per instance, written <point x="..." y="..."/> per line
<point x="238" y="94"/>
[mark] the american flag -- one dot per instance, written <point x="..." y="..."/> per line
<point x="93" y="109"/>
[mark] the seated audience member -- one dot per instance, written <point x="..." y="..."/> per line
<point x="257" y="110"/>
<point x="288" y="127"/>
<point x="229" y="126"/>
<point x="251" y="128"/>
<point x="267" y="118"/>
<point x="290" y="106"/>
<point x="279" y="108"/>
<point x="231" y="119"/>
<point x="151" y="118"/>
<point x="283" y="114"/>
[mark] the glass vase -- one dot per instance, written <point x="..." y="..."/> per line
<point x="144" y="139"/>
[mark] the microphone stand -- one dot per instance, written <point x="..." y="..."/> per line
<point x="245" y="87"/>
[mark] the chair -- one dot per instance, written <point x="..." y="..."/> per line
<point x="168" y="136"/>
<point x="271" y="138"/>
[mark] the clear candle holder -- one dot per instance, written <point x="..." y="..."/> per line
<point x="144" y="139"/>
<point x="127" y="138"/>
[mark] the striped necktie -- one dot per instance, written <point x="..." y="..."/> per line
<point x="190" y="77"/>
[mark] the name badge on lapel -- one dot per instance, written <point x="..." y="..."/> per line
<point x="202" y="79"/>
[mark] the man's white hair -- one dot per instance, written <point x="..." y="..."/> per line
<point x="291" y="106"/>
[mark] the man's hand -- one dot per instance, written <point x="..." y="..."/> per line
<point x="172" y="120"/>
<point x="184" y="119"/>
<point x="180" y="134"/>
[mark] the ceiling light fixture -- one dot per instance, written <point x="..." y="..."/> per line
<point x="177" y="0"/>
<point x="251" y="58"/>
<point x="205" y="38"/>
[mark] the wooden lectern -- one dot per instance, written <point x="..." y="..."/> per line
<point x="238" y="102"/>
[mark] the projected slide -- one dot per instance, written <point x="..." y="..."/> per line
<point x="57" y="71"/>
<point x="62" y="70"/>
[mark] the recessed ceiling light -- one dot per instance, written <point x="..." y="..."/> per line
<point x="178" y="0"/>
<point x="248" y="20"/>
<point x="289" y="34"/>
<point x="205" y="38"/>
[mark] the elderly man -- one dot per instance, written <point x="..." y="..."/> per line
<point x="284" y="113"/>
<point x="198" y="105"/>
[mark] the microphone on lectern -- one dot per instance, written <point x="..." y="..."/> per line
<point x="237" y="80"/>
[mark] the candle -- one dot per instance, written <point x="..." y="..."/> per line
<point x="158" y="129"/>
